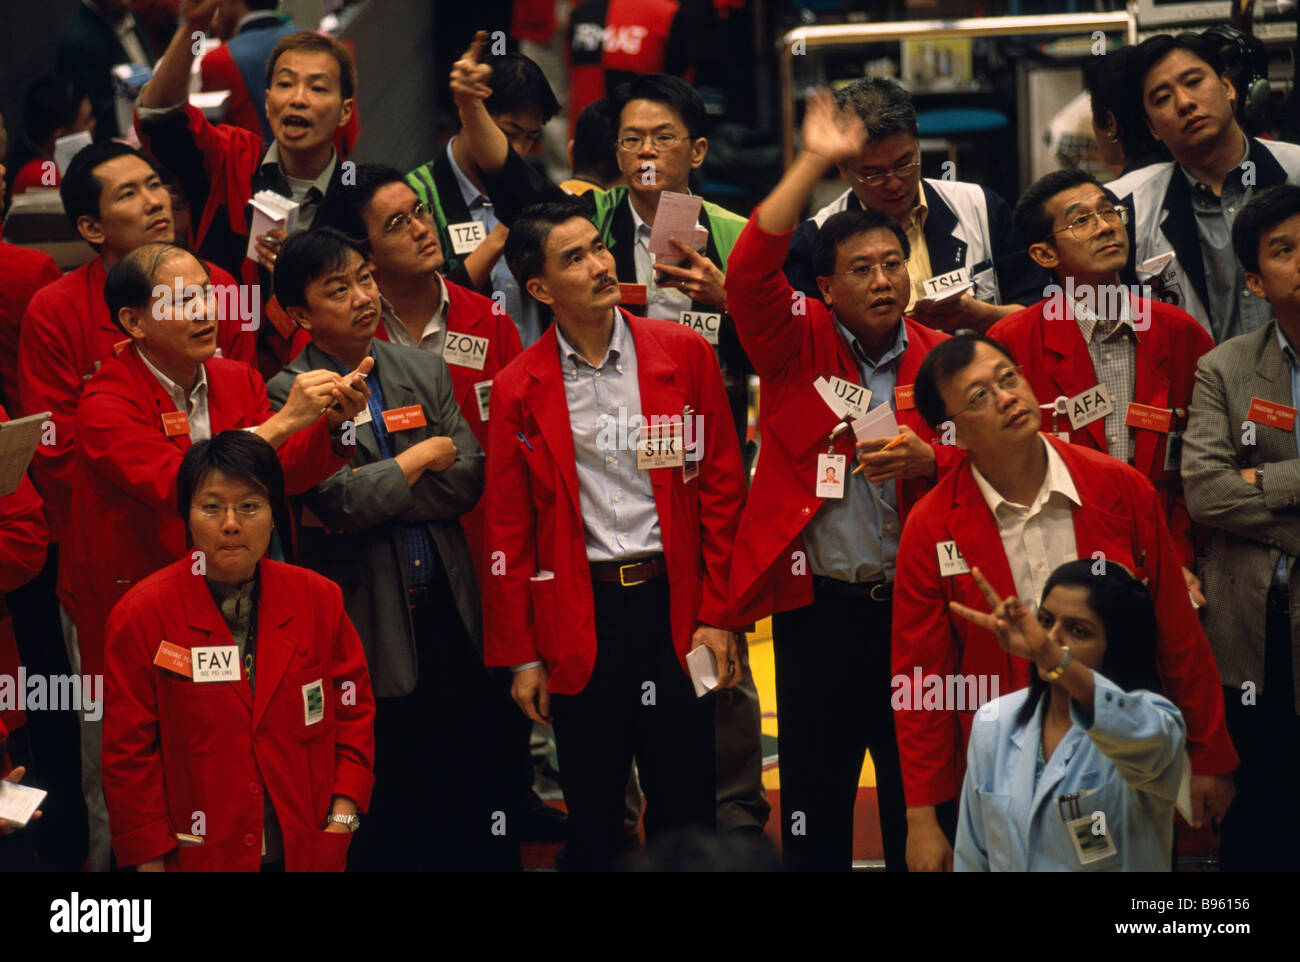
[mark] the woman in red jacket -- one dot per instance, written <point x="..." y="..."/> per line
<point x="238" y="723"/>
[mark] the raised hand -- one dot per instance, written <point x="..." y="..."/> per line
<point x="470" y="79"/>
<point x="1016" y="627"/>
<point x="830" y="131"/>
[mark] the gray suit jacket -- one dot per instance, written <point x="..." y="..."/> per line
<point x="1250" y="529"/>
<point x="362" y="505"/>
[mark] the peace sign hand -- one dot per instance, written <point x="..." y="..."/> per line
<point x="1016" y="627"/>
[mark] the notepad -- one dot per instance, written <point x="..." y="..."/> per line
<point x="18" y="803"/>
<point x="677" y="216"/>
<point x="271" y="211"/>
<point x="18" y="440"/>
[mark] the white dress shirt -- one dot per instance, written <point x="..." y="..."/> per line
<point x="195" y="406"/>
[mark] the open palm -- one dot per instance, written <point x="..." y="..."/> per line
<point x="832" y="132"/>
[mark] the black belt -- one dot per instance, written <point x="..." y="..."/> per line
<point x="879" y="591"/>
<point x="630" y="573"/>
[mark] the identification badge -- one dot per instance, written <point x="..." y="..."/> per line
<point x="706" y="324"/>
<point x="939" y="285"/>
<point x="363" y="416"/>
<point x="482" y="394"/>
<point x="632" y="293"/>
<point x="466" y="236"/>
<point x="1174" y="452"/>
<point x="1149" y="418"/>
<point x="313" y="702"/>
<point x="830" y="475"/>
<point x="1088" y="844"/>
<point x="1088" y="406"/>
<point x="215" y="663"/>
<point x="173" y="658"/>
<point x="175" y="423"/>
<point x="951" y="560"/>
<point x="660" y="446"/>
<point x="403" y="419"/>
<point x="1271" y="413"/>
<point x="904" y="397"/>
<point x="843" y="397"/>
<point x="465" y="350"/>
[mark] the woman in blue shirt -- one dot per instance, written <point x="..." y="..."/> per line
<point x="1081" y="770"/>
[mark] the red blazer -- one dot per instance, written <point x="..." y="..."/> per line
<point x="1056" y="362"/>
<point x="125" y="521"/>
<point x="534" y="515"/>
<point x="66" y="335"/>
<point x="174" y="747"/>
<point x="789" y="352"/>
<point x="23" y="272"/>
<point x="1120" y="516"/>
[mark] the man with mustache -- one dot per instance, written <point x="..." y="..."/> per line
<point x="137" y="417"/>
<point x="1090" y="335"/>
<point x="1183" y="210"/>
<point x="614" y="492"/>
<point x="387" y="529"/>
<point x="1019" y="506"/>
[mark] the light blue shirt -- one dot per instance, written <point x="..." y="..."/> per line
<point x="618" y="504"/>
<point x="1127" y="764"/>
<point x="855" y="538"/>
<point x="1284" y="560"/>
<point x="522" y="309"/>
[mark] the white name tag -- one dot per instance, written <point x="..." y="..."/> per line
<point x="465" y="350"/>
<point x="363" y="416"/>
<point x="466" y="236"/>
<point x="848" y="398"/>
<point x="482" y="394"/>
<point x="706" y="324"/>
<point x="660" y="446"/>
<point x="215" y="663"/>
<point x="313" y="702"/>
<point x="951" y="561"/>
<point x="1088" y="406"/>
<point x="937" y="286"/>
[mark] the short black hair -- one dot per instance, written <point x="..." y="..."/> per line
<point x="81" y="189"/>
<point x="1106" y="79"/>
<point x="1127" y="614"/>
<point x="241" y="455"/>
<point x="1030" y="215"/>
<point x="884" y="105"/>
<point x="1265" y="211"/>
<point x="661" y="88"/>
<point x="48" y="104"/>
<point x="1154" y="49"/>
<point x="132" y="280"/>
<point x="945" y="360"/>
<point x="307" y="255"/>
<point x="593" y="142"/>
<point x="344" y="210"/>
<point x="525" y="251"/>
<point x="850" y="223"/>
<point x="519" y="84"/>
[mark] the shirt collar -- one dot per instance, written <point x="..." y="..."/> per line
<point x="1288" y="351"/>
<point x="1057" y="481"/>
<point x="612" y="353"/>
<point x="171" y="387"/>
<point x="392" y="321"/>
<point x="468" y="192"/>
<point x="1206" y="188"/>
<point x="1087" y="318"/>
<point x="916" y="216"/>
<point x="895" y="351"/>
<point x="322" y="182"/>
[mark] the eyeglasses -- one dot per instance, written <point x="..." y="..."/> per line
<point x="401" y="221"/>
<point x="890" y="268"/>
<point x="631" y="143"/>
<point x="1081" y="227"/>
<point x="1007" y="380"/>
<point x="212" y="510"/>
<point x="875" y="180"/>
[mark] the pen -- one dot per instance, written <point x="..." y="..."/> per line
<point x="520" y="436"/>
<point x="893" y="443"/>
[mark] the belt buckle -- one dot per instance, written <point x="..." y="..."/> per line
<point x="882" y="585"/>
<point x="621" y="578"/>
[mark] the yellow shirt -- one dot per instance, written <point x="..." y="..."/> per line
<point x="918" y="264"/>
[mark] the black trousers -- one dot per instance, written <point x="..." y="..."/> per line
<point x="1260" y="833"/>
<point x="640" y="704"/>
<point x="438" y="802"/>
<point x="833" y="704"/>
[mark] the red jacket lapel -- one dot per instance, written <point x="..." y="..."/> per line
<point x="1071" y="370"/>
<point x="550" y="408"/>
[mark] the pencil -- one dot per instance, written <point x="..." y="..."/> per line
<point x="893" y="443"/>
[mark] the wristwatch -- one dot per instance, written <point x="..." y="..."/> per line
<point x="1059" y="670"/>
<point x="353" y="821"/>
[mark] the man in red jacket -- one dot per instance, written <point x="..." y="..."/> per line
<point x="1092" y="339"/>
<point x="821" y="556"/>
<point x="614" y="529"/>
<point x="138" y="416"/>
<point x="1021" y="505"/>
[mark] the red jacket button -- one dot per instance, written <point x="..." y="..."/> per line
<point x="254" y="788"/>
<point x="806" y="511"/>
<point x="250" y="840"/>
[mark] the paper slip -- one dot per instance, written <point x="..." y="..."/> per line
<point x="65" y="148"/>
<point x="1184" y="802"/>
<point x="271" y="211"/>
<point x="677" y="216"/>
<point x="842" y="397"/>
<point x="18" y="440"/>
<point x="543" y="575"/>
<point x="877" y="423"/>
<point x="704" y="669"/>
<point x="18" y="803"/>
